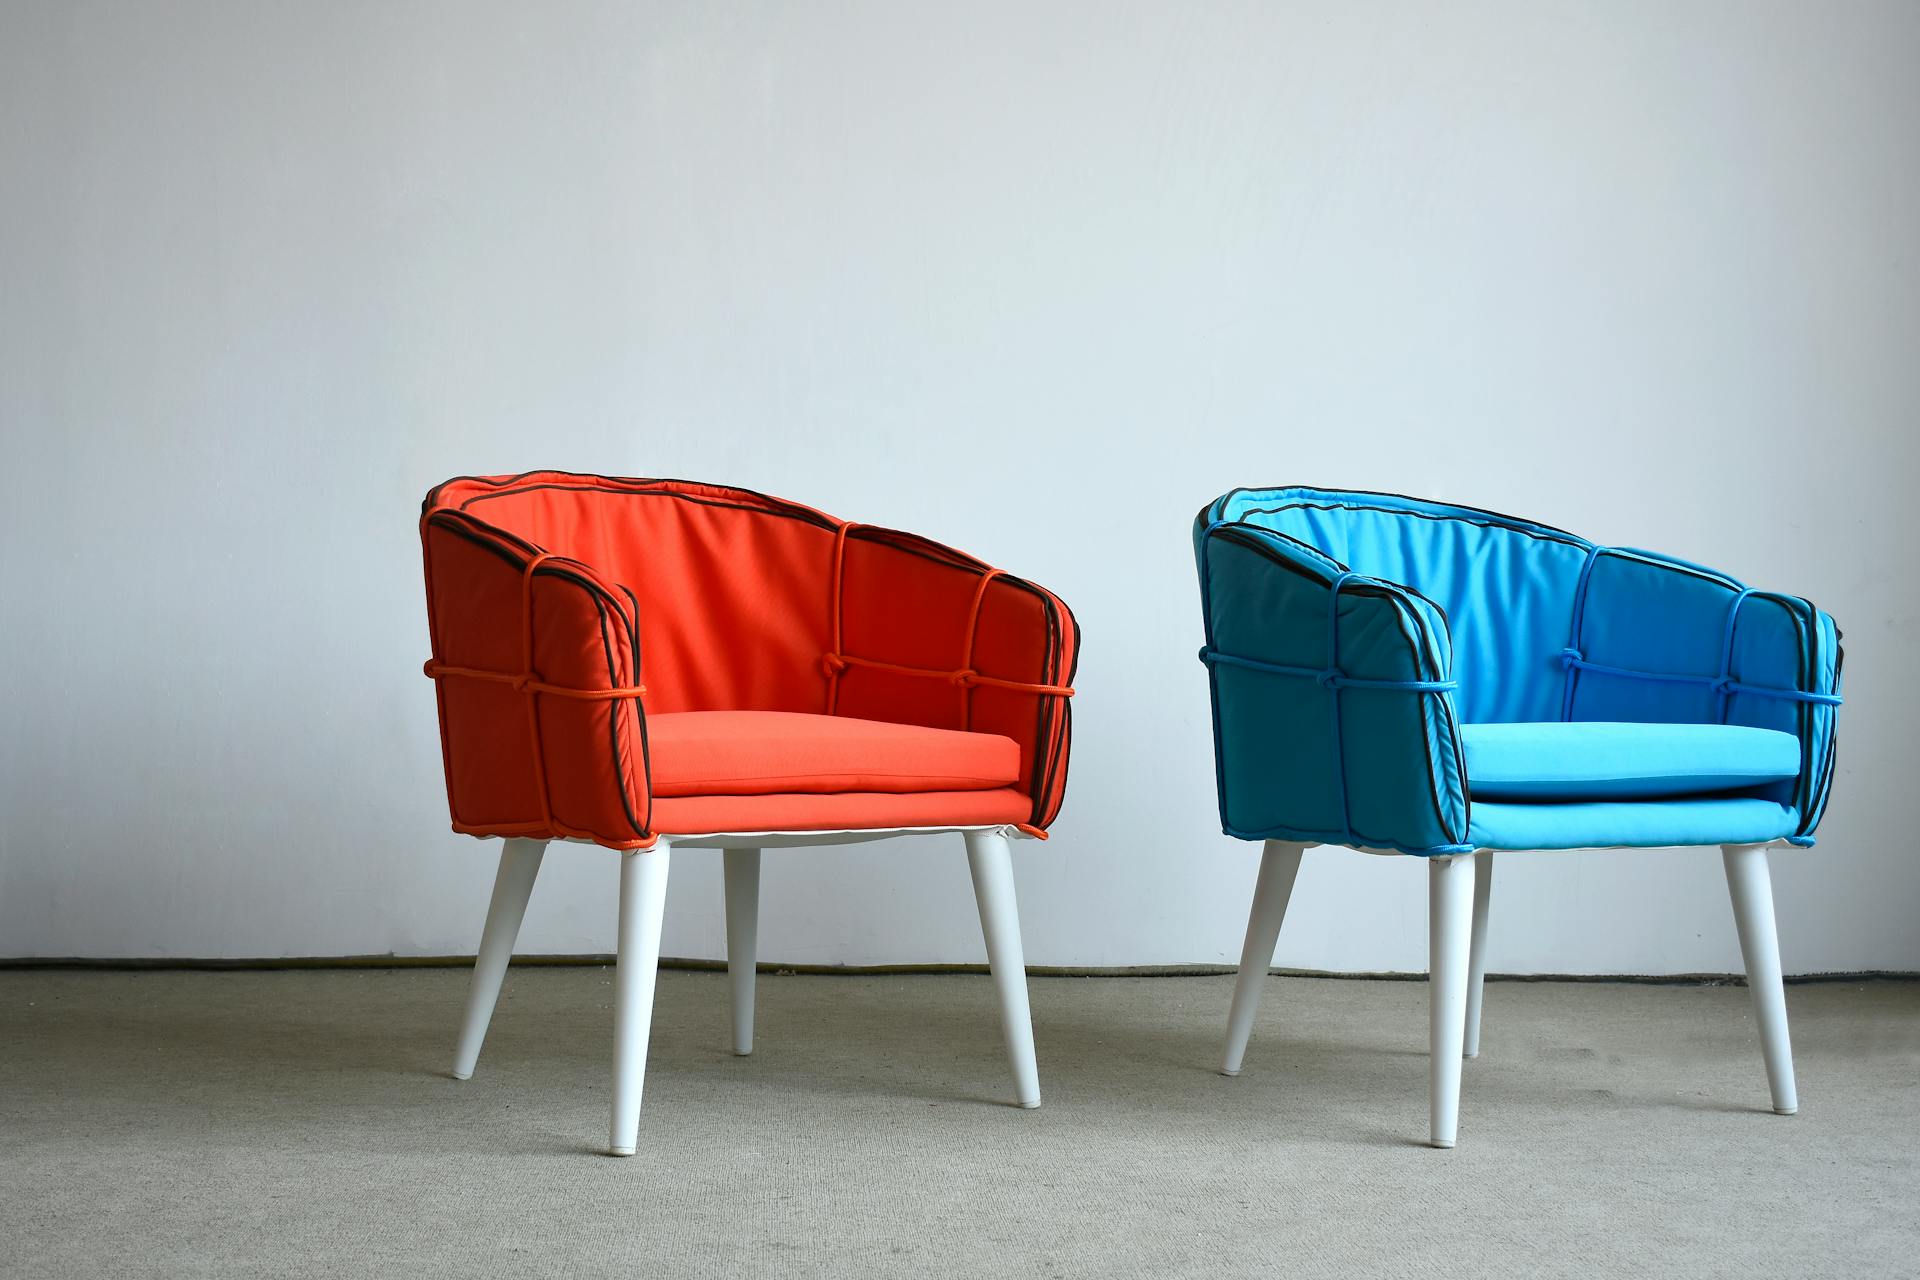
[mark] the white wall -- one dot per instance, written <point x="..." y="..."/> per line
<point x="1035" y="280"/>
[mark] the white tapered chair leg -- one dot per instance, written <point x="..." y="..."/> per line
<point x="512" y="885"/>
<point x="1449" y="929"/>
<point x="643" y="902"/>
<point x="991" y="862"/>
<point x="1477" y="950"/>
<point x="1751" y="887"/>
<point x="741" y="868"/>
<point x="1279" y="865"/>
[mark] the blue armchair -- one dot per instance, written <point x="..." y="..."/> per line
<point x="1390" y="674"/>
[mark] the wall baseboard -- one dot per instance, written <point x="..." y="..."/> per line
<point x="273" y="963"/>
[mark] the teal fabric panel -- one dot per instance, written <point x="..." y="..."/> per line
<point x="1645" y="615"/>
<point x="1278" y="756"/>
<point x="1778" y="642"/>
<point x="1553" y="760"/>
<point x="1603" y="824"/>
<point x="1506" y="586"/>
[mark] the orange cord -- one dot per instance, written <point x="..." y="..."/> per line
<point x="834" y="662"/>
<point x="967" y="677"/>
<point x="523" y="684"/>
<point x="963" y="678"/>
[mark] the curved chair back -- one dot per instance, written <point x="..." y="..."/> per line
<point x="722" y="599"/>
<point x="1446" y="615"/>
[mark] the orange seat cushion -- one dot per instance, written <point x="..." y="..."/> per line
<point x="849" y="811"/>
<point x="766" y="753"/>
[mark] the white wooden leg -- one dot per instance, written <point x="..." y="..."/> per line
<point x="1449" y="927"/>
<point x="1279" y="864"/>
<point x="1751" y="888"/>
<point x="512" y="885"/>
<point x="991" y="862"/>
<point x="742" y="873"/>
<point x="1477" y="950"/>
<point x="643" y="902"/>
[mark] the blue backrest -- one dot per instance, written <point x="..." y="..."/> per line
<point x="1507" y="585"/>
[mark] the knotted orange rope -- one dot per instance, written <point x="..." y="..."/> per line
<point x="835" y="662"/>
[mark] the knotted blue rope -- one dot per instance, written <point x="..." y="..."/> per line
<point x="1723" y="685"/>
<point x="1326" y="677"/>
<point x="1332" y="679"/>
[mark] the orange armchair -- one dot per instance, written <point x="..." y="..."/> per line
<point x="654" y="663"/>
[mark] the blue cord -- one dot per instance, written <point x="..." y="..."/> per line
<point x="1721" y="684"/>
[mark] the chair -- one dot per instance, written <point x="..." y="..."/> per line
<point x="1389" y="674"/>
<point x="807" y="681"/>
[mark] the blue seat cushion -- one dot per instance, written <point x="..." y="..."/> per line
<point x="1554" y="761"/>
<point x="1639" y="824"/>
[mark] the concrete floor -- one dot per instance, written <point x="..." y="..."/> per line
<point x="302" y="1124"/>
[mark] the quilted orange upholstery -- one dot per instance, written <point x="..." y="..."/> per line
<point x="758" y="753"/>
<point x="553" y="598"/>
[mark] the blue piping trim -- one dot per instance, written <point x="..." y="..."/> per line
<point x="1333" y="662"/>
<point x="1213" y="681"/>
<point x="1661" y="557"/>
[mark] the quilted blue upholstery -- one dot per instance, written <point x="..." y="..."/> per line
<point x="1356" y="641"/>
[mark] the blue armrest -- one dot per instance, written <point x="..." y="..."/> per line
<point x="1659" y="639"/>
<point x="1333" y="709"/>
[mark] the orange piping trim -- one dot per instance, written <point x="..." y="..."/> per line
<point x="550" y="831"/>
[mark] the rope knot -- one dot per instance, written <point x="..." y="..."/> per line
<point x="832" y="664"/>
<point x="1571" y="657"/>
<point x="1328" y="679"/>
<point x="964" y="678"/>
